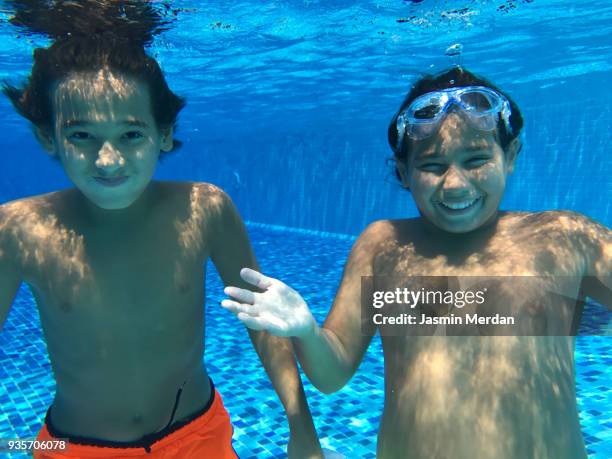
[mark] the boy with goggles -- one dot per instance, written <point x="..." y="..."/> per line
<point x="482" y="107"/>
<point x="491" y="390"/>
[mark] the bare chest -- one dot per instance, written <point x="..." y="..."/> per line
<point x="113" y="293"/>
<point x="526" y="276"/>
<point x="517" y="272"/>
<point x="76" y="272"/>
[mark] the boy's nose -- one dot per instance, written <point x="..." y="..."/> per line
<point x="109" y="158"/>
<point x="454" y="181"/>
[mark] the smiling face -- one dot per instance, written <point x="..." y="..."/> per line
<point x="458" y="176"/>
<point x="105" y="136"/>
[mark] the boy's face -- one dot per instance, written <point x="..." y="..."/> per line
<point x="457" y="176"/>
<point x="105" y="136"/>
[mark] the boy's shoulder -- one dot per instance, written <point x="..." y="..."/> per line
<point x="559" y="222"/>
<point x="22" y="216"/>
<point x="566" y="233"/>
<point x="391" y="229"/>
<point x="548" y="216"/>
<point x="198" y="193"/>
<point x="386" y="233"/>
<point x="205" y="204"/>
<point x="379" y="230"/>
<point x="27" y="209"/>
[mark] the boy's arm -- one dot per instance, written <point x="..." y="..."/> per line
<point x="341" y="333"/>
<point x="230" y="251"/>
<point x="597" y="280"/>
<point x="330" y="354"/>
<point x="10" y="275"/>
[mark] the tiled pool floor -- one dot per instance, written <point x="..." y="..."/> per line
<point x="347" y="421"/>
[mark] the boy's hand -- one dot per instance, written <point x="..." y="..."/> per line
<point x="279" y="309"/>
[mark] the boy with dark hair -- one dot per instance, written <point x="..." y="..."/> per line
<point x="116" y="264"/>
<point x="503" y="389"/>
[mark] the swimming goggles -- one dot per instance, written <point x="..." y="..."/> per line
<point x="481" y="105"/>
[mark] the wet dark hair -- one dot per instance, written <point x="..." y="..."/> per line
<point x="90" y="35"/>
<point x="451" y="78"/>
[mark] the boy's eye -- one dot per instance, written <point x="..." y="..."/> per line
<point x="432" y="167"/>
<point x="133" y="135"/>
<point x="80" y="136"/>
<point x="473" y="163"/>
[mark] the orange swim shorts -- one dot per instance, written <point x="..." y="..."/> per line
<point x="207" y="434"/>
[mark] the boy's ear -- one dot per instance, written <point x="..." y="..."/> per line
<point x="45" y="138"/>
<point x="167" y="142"/>
<point x="512" y="151"/>
<point x="402" y="169"/>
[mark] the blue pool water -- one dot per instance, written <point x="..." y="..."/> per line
<point x="288" y="104"/>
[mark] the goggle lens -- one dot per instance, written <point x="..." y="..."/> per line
<point x="428" y="106"/>
<point x="476" y="101"/>
<point x="428" y="112"/>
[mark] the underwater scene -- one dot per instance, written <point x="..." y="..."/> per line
<point x="292" y="108"/>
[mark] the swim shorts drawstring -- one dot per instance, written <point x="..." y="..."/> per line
<point x="147" y="447"/>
